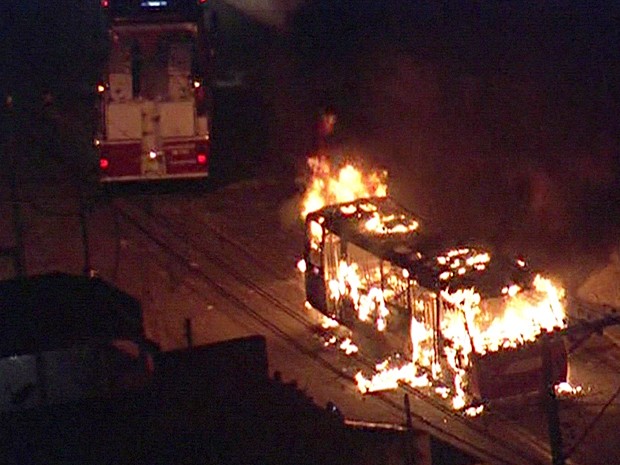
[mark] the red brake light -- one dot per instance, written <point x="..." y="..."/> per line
<point x="202" y="2"/>
<point x="104" y="163"/>
<point x="105" y="3"/>
<point x="201" y="158"/>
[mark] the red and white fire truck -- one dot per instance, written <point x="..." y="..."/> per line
<point x="154" y="102"/>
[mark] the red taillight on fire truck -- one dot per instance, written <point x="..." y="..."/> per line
<point x="201" y="158"/>
<point x="104" y="163"/>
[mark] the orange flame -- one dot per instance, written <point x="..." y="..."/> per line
<point x="329" y="185"/>
<point x="474" y="325"/>
<point x="470" y="324"/>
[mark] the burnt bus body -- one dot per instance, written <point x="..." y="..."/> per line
<point x="397" y="276"/>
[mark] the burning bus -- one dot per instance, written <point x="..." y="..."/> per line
<point x="466" y="319"/>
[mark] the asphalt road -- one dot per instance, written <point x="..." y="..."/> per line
<point x="224" y="258"/>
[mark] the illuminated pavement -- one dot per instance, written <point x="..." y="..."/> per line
<point x="226" y="261"/>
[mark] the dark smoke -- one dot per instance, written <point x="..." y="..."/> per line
<point x="497" y="122"/>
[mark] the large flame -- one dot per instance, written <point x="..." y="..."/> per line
<point x="470" y="323"/>
<point x="330" y="185"/>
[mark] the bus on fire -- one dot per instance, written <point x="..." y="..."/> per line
<point x="469" y="319"/>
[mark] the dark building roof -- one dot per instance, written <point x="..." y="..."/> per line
<point x="212" y="404"/>
<point x="58" y="310"/>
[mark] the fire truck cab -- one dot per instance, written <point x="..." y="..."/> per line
<point x="154" y="104"/>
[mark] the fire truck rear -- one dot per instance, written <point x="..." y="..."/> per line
<point x="153" y="105"/>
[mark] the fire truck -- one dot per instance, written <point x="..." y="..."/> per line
<point x="154" y="101"/>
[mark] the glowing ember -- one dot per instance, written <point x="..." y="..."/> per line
<point x="387" y="378"/>
<point x="344" y="344"/>
<point x="330" y="185"/>
<point x="461" y="261"/>
<point x="390" y="224"/>
<point x="348" y="347"/>
<point x="474" y="411"/>
<point x="565" y="389"/>
<point x="327" y="322"/>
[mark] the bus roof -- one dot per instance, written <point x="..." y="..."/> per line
<point x="391" y="232"/>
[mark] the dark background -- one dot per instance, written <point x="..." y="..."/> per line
<point x="497" y="120"/>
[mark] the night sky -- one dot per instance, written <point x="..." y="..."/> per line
<point x="497" y="120"/>
<point x="50" y="45"/>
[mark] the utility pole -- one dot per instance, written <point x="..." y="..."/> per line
<point x="188" y="333"/>
<point x="88" y="270"/>
<point x="86" y="203"/>
<point x="547" y="390"/>
<point x="550" y="403"/>
<point x="409" y="454"/>
<point x="18" y="252"/>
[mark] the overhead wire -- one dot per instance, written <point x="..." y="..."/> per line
<point x="590" y="427"/>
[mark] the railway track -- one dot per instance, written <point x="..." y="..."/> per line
<point x="186" y="242"/>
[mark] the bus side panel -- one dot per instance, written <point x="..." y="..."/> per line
<point x="315" y="290"/>
<point x="517" y="371"/>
